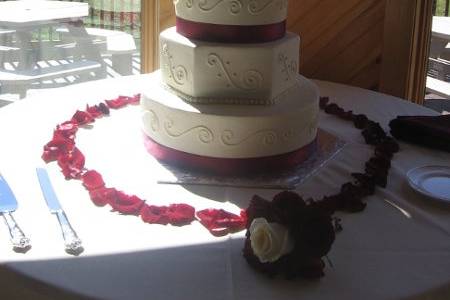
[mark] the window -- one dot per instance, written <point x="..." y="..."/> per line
<point x="438" y="77"/>
<point x="72" y="42"/>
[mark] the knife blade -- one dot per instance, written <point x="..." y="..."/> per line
<point x="8" y="204"/>
<point x="71" y="240"/>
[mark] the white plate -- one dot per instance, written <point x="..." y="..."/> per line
<point x="431" y="181"/>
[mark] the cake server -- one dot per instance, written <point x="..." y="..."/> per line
<point x="8" y="204"/>
<point x="71" y="240"/>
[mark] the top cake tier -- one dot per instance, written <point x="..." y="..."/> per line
<point x="232" y="21"/>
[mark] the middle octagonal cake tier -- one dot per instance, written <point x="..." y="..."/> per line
<point x="204" y="72"/>
<point x="231" y="131"/>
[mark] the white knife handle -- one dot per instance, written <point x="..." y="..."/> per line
<point x="71" y="240"/>
<point x="18" y="238"/>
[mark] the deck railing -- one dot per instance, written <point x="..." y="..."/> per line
<point x="122" y="15"/>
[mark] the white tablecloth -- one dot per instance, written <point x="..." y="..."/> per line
<point x="383" y="253"/>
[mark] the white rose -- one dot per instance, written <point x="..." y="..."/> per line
<point x="269" y="241"/>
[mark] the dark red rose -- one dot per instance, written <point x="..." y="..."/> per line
<point x="333" y="109"/>
<point x="373" y="133"/>
<point x="313" y="233"/>
<point x="365" y="183"/>
<point x="82" y="118"/>
<point x="72" y="164"/>
<point x="360" y="121"/>
<point x="310" y="227"/>
<point x="323" y="102"/>
<point x="261" y="208"/>
<point x="287" y="205"/>
<point x="92" y="180"/>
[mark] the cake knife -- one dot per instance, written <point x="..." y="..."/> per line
<point x="8" y="204"/>
<point x="71" y="240"/>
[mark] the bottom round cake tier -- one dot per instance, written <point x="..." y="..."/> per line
<point x="228" y="166"/>
<point x="225" y="138"/>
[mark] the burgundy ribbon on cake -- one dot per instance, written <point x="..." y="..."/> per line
<point x="230" y="33"/>
<point x="228" y="166"/>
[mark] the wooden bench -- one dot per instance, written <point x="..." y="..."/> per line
<point x="6" y="50"/>
<point x="120" y="45"/>
<point x="438" y="87"/>
<point x="7" y="53"/>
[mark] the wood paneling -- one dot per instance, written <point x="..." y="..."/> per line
<point x="167" y="14"/>
<point x="341" y="39"/>
<point x="156" y="16"/>
<point x="149" y="35"/>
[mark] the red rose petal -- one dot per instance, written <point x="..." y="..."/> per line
<point x="72" y="164"/>
<point x="181" y="214"/>
<point x="102" y="196"/>
<point x="134" y="99"/>
<point x="126" y="204"/>
<point x="94" y="111"/>
<point x="92" y="180"/>
<point x="220" y="222"/>
<point x="67" y="129"/>
<point x="116" y="103"/>
<point x="82" y="117"/>
<point x="154" y="214"/>
<point x="57" y="147"/>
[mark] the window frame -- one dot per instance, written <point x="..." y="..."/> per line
<point x="407" y="35"/>
<point x="150" y="18"/>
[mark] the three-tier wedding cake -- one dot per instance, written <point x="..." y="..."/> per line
<point x="228" y="97"/>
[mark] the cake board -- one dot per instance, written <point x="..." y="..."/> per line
<point x="328" y="146"/>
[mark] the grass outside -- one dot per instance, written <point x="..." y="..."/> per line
<point x="440" y="7"/>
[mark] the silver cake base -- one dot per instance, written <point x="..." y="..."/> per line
<point x="328" y="146"/>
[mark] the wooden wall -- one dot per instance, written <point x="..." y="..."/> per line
<point x="166" y="14"/>
<point x="341" y="40"/>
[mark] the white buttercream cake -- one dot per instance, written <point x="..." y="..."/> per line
<point x="208" y="72"/>
<point x="230" y="106"/>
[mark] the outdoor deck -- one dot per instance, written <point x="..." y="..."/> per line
<point x="6" y="98"/>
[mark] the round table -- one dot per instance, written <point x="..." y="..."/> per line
<point x="398" y="248"/>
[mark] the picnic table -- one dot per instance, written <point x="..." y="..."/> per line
<point x="21" y="18"/>
<point x="440" y="35"/>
